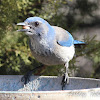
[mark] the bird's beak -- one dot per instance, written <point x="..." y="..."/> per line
<point x="24" y="26"/>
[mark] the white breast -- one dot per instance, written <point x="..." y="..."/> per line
<point x="40" y="46"/>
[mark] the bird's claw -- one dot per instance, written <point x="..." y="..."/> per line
<point x="26" y="77"/>
<point x="65" y="80"/>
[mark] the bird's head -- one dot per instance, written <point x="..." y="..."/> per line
<point x="35" y="26"/>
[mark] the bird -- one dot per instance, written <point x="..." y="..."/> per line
<point x="50" y="45"/>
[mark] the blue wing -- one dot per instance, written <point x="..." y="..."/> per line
<point x="68" y="41"/>
<point x="64" y="38"/>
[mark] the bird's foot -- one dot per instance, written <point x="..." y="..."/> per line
<point x="26" y="77"/>
<point x="65" y="80"/>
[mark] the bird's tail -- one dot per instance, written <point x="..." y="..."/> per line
<point x="76" y="42"/>
<point x="79" y="44"/>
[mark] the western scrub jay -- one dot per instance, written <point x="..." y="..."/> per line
<point x="50" y="45"/>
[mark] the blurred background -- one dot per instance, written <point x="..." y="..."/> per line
<point x="80" y="17"/>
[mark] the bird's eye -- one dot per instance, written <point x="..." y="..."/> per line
<point x="36" y="24"/>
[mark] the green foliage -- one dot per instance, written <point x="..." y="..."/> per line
<point x="15" y="56"/>
<point x="7" y="16"/>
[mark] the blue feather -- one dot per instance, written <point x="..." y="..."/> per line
<point x="32" y="19"/>
<point x="69" y="42"/>
<point x="78" y="42"/>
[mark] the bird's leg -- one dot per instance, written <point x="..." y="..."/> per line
<point x="26" y="77"/>
<point x="65" y="79"/>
